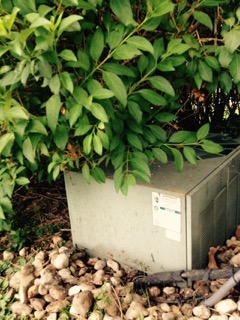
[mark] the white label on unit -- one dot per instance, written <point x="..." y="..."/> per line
<point x="166" y="212"/>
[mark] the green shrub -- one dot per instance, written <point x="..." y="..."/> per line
<point x="90" y="83"/>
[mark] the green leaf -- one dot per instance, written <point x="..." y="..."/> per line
<point x="74" y="114"/>
<point x="178" y="159"/>
<point x="180" y="136"/>
<point x="53" y="107"/>
<point x="134" y="141"/>
<point x="98" y="112"/>
<point x="104" y="139"/>
<point x="3" y="49"/>
<point x="213" y="63"/>
<point x="82" y="130"/>
<point x="203" y="131"/>
<point x="17" y="113"/>
<point x="28" y="151"/>
<point x="122" y="9"/>
<point x="225" y="57"/>
<point x="61" y="136"/>
<point x="25" y="6"/>
<point x="115" y="36"/>
<point x="175" y="46"/>
<point x="68" y="55"/>
<point x="67" y="22"/>
<point x="36" y="126"/>
<point x="234" y="67"/>
<point x="98" y="174"/>
<point x="141" y="176"/>
<point x="162" y="84"/>
<point x="97" y="145"/>
<point x="100" y="94"/>
<point x="66" y="81"/>
<point x="205" y="71"/>
<point x="198" y="80"/>
<point x="165" y="66"/>
<point x="118" y="69"/>
<point x="141" y="166"/>
<point x="118" y="178"/>
<point x="22" y="181"/>
<point x="153" y="97"/>
<point x="5" y="139"/>
<point x="232" y="40"/>
<point x="130" y="179"/>
<point x="6" y="204"/>
<point x="160" y="155"/>
<point x="211" y="147"/>
<point x="86" y="172"/>
<point x="55" y="84"/>
<point x="225" y="82"/>
<point x="140" y="43"/>
<point x="162" y="8"/>
<point x="116" y="85"/>
<point x="165" y="117"/>
<point x="126" y="52"/>
<point x="87" y="144"/>
<point x="159" y="132"/>
<point x="203" y="18"/>
<point x="40" y="22"/>
<point x="97" y="45"/>
<point x="190" y="155"/>
<point x="135" y="111"/>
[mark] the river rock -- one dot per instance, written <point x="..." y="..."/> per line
<point x="225" y="306"/>
<point x="57" y="306"/>
<point x="201" y="311"/>
<point x="21" y="309"/>
<point x="81" y="303"/>
<point x="60" y="261"/>
<point x="136" y="310"/>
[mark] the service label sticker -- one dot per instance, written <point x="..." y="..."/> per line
<point x="166" y="210"/>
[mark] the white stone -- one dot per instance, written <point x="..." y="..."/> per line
<point x="154" y="291"/>
<point x="234" y="316"/>
<point x="57" y="306"/>
<point x="81" y="303"/>
<point x="113" y="265"/>
<point x="23" y="252"/>
<point x="201" y="311"/>
<point x="235" y="260"/>
<point x="37" y="304"/>
<point x="225" y="306"/>
<point x="39" y="314"/>
<point x="58" y="292"/>
<point x="219" y="317"/>
<point x="74" y="290"/>
<point x="96" y="315"/>
<point x="21" y="309"/>
<point x="136" y="310"/>
<point x="8" y="255"/>
<point x="100" y="265"/>
<point x="57" y="240"/>
<point x="60" y="261"/>
<point x="165" y="307"/>
<point x="168" y="316"/>
<point x="169" y="290"/>
<point x="52" y="316"/>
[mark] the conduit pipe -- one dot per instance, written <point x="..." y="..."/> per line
<point x="223" y="291"/>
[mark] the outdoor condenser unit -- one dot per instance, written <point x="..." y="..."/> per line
<point x="167" y="225"/>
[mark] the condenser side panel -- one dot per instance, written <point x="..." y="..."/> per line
<point x="202" y="205"/>
<point x="144" y="230"/>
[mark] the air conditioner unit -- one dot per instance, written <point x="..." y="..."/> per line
<point x="169" y="224"/>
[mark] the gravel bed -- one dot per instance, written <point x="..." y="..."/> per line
<point x="61" y="282"/>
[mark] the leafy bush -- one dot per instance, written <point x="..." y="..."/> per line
<point x="90" y="83"/>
